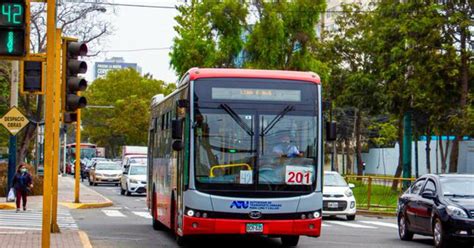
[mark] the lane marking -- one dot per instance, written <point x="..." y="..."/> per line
<point x="325" y="225"/>
<point x="378" y="223"/>
<point x="113" y="213"/>
<point x="143" y="214"/>
<point x="350" y="224"/>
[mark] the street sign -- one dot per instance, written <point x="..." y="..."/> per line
<point x="14" y="121"/>
<point x="13" y="27"/>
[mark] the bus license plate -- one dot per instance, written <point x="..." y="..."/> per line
<point x="333" y="204"/>
<point x="254" y="228"/>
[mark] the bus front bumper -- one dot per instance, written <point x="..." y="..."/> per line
<point x="307" y="227"/>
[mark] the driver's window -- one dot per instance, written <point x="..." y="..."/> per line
<point x="430" y="186"/>
<point x="415" y="189"/>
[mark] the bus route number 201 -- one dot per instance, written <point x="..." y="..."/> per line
<point x="297" y="175"/>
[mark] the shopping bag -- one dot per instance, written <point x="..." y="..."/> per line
<point x="11" y="195"/>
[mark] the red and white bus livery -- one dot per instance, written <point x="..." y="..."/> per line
<point x="234" y="151"/>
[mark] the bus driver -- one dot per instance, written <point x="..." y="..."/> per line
<point x="285" y="148"/>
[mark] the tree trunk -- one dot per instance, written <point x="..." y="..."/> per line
<point x="464" y="36"/>
<point x="428" y="149"/>
<point x="336" y="160"/>
<point x="30" y="131"/>
<point x="444" y="153"/>
<point x="347" y="144"/>
<point x="360" y="166"/>
<point x="399" y="169"/>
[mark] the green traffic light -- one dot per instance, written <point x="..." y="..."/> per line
<point x="10" y="42"/>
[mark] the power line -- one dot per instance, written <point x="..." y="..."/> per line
<point x="139" y="49"/>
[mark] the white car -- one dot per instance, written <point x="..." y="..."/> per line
<point x="338" y="198"/>
<point x="134" y="179"/>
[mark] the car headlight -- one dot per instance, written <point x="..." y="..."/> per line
<point x="455" y="211"/>
<point x="133" y="181"/>
<point x="348" y="193"/>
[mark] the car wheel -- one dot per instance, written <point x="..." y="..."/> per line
<point x="290" y="240"/>
<point x="350" y="217"/>
<point x="403" y="229"/>
<point x="439" y="237"/>
<point x="116" y="185"/>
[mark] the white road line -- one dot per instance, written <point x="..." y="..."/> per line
<point x="143" y="214"/>
<point x="350" y="224"/>
<point x="378" y="223"/>
<point x="325" y="225"/>
<point x="113" y="213"/>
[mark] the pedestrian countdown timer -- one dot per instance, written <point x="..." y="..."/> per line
<point x="12" y="28"/>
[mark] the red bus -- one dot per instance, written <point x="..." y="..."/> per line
<point x="235" y="151"/>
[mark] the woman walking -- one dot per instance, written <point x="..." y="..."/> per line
<point x="22" y="182"/>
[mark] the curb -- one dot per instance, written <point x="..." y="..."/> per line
<point x="89" y="205"/>
<point x="375" y="213"/>
<point x="86" y="243"/>
<point x="7" y="206"/>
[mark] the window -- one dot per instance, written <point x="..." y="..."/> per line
<point x="430" y="186"/>
<point x="415" y="188"/>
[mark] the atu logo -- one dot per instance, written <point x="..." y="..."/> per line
<point x="240" y="204"/>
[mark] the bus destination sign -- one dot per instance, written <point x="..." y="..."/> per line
<point x="256" y="94"/>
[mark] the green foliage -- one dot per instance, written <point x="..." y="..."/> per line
<point x="127" y="96"/>
<point x="386" y="134"/>
<point x="209" y="34"/>
<point x="284" y="37"/>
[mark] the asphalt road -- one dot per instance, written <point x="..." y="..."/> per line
<point x="127" y="224"/>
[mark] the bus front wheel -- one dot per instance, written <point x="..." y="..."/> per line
<point x="290" y="240"/>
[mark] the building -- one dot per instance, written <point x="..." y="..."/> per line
<point x="328" y="19"/>
<point x="115" y="63"/>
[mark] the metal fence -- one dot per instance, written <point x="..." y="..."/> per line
<point x="378" y="193"/>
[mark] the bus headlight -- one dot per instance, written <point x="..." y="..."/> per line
<point x="316" y="214"/>
<point x="190" y="213"/>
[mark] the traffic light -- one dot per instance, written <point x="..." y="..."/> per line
<point x="12" y="27"/>
<point x="31" y="77"/>
<point x="74" y="83"/>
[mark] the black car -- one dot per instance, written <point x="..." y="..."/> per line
<point x="441" y="206"/>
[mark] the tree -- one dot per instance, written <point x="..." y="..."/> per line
<point x="125" y="121"/>
<point x="284" y="37"/>
<point x="87" y="22"/>
<point x="209" y="34"/>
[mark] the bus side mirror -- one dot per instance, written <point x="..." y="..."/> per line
<point x="331" y="134"/>
<point x="176" y="129"/>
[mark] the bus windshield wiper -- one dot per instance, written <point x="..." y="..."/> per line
<point x="237" y="119"/>
<point x="277" y="119"/>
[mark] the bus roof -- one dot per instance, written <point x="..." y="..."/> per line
<point x="196" y="73"/>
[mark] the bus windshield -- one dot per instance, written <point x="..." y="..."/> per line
<point x="242" y="144"/>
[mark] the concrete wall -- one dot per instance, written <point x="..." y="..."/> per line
<point x="383" y="161"/>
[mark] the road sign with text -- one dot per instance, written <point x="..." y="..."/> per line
<point x="14" y="121"/>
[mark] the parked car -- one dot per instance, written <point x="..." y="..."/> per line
<point x="105" y="172"/>
<point x="441" y="206"/>
<point x="134" y="179"/>
<point x="338" y="198"/>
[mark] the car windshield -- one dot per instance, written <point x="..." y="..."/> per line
<point x="138" y="170"/>
<point x="457" y="186"/>
<point x="107" y="166"/>
<point x="138" y="160"/>
<point x="333" y="179"/>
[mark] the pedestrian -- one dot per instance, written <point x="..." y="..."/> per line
<point x="22" y="183"/>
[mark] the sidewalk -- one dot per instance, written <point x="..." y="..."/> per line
<point x="32" y="239"/>
<point x="23" y="229"/>
<point x="88" y="198"/>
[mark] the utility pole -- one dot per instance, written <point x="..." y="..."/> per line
<point x="12" y="143"/>
<point x="407" y="145"/>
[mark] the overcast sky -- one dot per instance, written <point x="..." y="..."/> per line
<point x="142" y="28"/>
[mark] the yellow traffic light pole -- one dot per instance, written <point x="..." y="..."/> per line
<point x="78" y="156"/>
<point x="56" y="141"/>
<point x="49" y="122"/>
